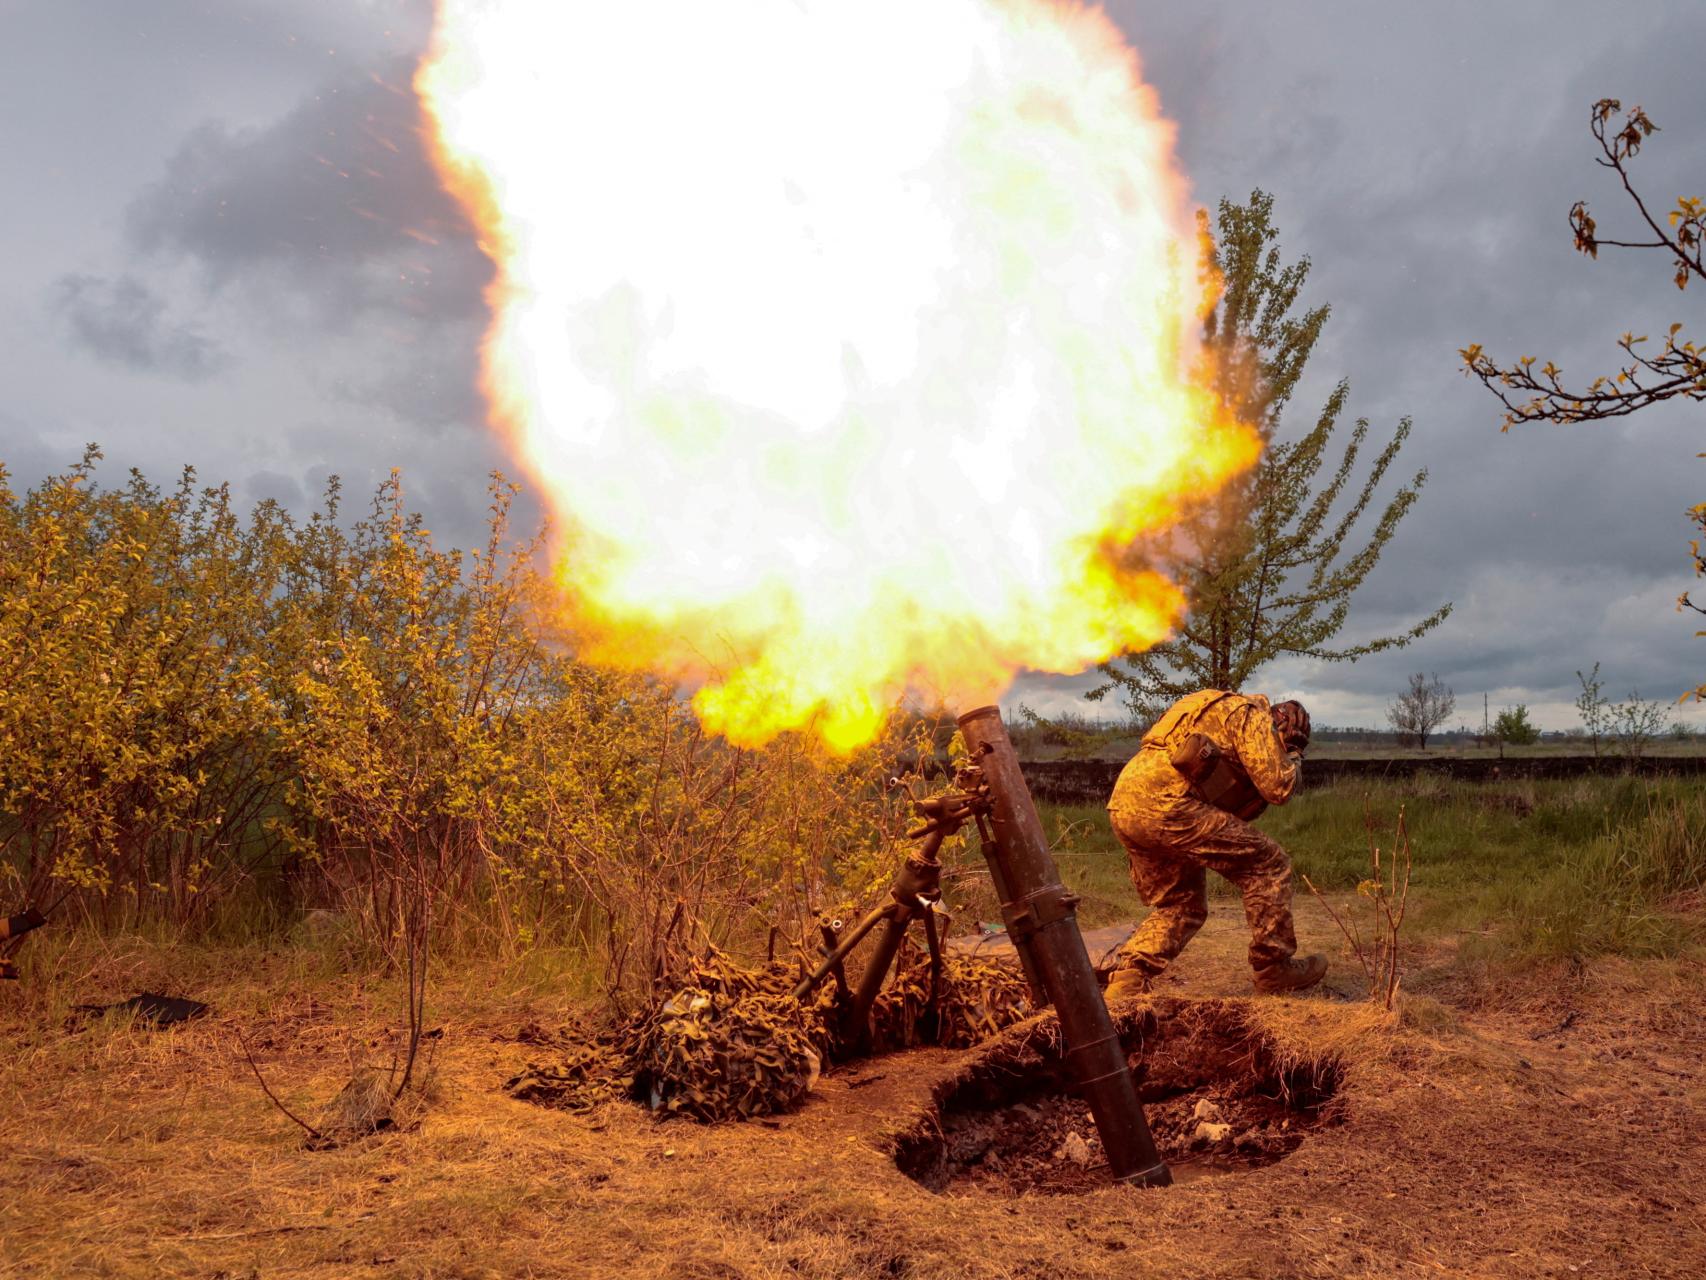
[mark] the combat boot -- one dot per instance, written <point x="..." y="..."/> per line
<point x="1127" y="984"/>
<point x="1290" y="975"/>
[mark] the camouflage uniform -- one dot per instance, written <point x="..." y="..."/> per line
<point x="1174" y="839"/>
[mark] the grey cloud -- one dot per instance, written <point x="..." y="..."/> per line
<point x="274" y="486"/>
<point x="124" y="321"/>
<point x="437" y="387"/>
<point x="337" y="202"/>
<point x="1423" y="156"/>
<point x="24" y="456"/>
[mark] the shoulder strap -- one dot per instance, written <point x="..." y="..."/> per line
<point x="1183" y="712"/>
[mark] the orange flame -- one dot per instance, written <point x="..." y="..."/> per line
<point x="851" y="343"/>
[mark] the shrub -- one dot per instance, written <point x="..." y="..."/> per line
<point x="197" y="709"/>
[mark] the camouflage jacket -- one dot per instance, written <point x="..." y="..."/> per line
<point x="1239" y="724"/>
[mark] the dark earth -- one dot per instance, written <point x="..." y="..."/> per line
<point x="1217" y="1099"/>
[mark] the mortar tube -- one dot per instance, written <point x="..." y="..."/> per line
<point x="998" y="879"/>
<point x="1042" y="922"/>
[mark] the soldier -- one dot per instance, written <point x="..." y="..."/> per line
<point x="1174" y="835"/>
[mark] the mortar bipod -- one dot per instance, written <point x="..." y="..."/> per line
<point x="915" y="894"/>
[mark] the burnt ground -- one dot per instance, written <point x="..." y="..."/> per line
<point x="1548" y="1125"/>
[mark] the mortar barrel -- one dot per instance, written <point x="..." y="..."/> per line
<point x="1042" y="922"/>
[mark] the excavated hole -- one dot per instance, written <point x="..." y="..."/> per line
<point x="1006" y="1124"/>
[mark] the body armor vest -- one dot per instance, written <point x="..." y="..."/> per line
<point x="1215" y="777"/>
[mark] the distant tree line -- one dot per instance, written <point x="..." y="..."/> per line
<point x="1631" y="726"/>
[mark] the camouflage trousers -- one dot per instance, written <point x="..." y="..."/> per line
<point x="1171" y="852"/>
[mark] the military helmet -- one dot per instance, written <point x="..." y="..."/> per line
<point x="1292" y="721"/>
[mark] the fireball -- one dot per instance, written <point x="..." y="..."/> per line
<point x="852" y="344"/>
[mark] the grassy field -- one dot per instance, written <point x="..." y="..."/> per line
<point x="1535" y="1106"/>
<point x="1662" y="748"/>
<point x="1537" y="870"/>
<point x="1115" y="745"/>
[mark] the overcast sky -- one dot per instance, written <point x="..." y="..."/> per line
<point x="222" y="246"/>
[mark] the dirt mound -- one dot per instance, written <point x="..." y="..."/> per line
<point x="1220" y="1096"/>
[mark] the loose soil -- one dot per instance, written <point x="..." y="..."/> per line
<point x="1218" y="1097"/>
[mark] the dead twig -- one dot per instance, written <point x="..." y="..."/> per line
<point x="1387" y="889"/>
<point x="1564" y="1024"/>
<point x="1344" y="928"/>
<point x="257" y="1231"/>
<point x="307" y="1128"/>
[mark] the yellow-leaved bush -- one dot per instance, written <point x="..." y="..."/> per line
<point x="207" y="718"/>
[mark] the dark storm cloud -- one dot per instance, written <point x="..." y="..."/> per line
<point x="337" y="201"/>
<point x="437" y="387"/>
<point x="332" y="217"/>
<point x="125" y="321"/>
<point x="1428" y="177"/>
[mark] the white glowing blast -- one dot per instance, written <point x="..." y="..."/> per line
<point x="850" y="341"/>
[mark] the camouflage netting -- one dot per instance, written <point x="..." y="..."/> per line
<point x="728" y="1047"/>
<point x="728" y="1044"/>
<point x="732" y="1043"/>
<point x="977" y="998"/>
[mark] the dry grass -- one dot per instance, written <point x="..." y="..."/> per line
<point x="1491" y="1141"/>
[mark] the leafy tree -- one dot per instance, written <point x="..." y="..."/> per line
<point x="1594" y="706"/>
<point x="1644" y="377"/>
<point x="1271" y="565"/>
<point x="1422" y="707"/>
<point x="1513" y="726"/>
<point x="1636" y="722"/>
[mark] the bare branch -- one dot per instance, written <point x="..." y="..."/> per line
<point x="307" y="1128"/>
<point x="1680" y="368"/>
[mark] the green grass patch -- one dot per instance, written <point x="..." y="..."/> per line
<point x="1568" y="868"/>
